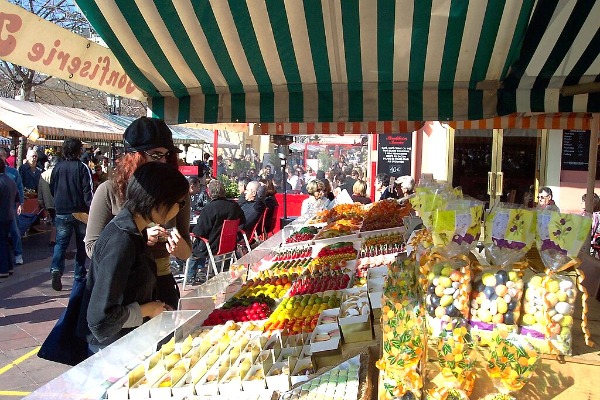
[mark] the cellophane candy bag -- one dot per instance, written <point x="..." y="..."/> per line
<point x="456" y="361"/>
<point x="403" y="342"/>
<point x="498" y="288"/>
<point x="511" y="362"/>
<point x="559" y="239"/>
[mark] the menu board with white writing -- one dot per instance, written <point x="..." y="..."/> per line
<point x="395" y="154"/>
<point x="575" y="150"/>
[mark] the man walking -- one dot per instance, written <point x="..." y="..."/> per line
<point x="71" y="186"/>
<point x="30" y="172"/>
<point x="14" y="233"/>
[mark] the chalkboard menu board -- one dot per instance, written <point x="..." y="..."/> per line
<point x="575" y="150"/>
<point x="395" y="154"/>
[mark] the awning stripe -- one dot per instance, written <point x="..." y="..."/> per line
<point x="339" y="128"/>
<point x="101" y="25"/>
<point x="313" y="13"/>
<point x="351" y="27"/>
<point x="386" y="13"/>
<point x="287" y="58"/>
<point x="418" y="56"/>
<point x="571" y="29"/>
<point x="173" y="22"/>
<point x="579" y="69"/>
<point x="455" y="31"/>
<point x="541" y="121"/>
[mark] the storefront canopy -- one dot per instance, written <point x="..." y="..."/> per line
<point x="349" y="62"/>
<point x="44" y="121"/>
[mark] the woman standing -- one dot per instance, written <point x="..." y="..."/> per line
<point x="120" y="289"/>
<point x="146" y="140"/>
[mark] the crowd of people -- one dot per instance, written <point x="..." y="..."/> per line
<point x="132" y="219"/>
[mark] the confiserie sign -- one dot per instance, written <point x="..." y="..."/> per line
<point x="40" y="45"/>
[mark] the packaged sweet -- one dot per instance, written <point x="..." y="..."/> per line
<point x="456" y="360"/>
<point x="512" y="360"/>
<point x="447" y="286"/>
<point x="456" y="227"/>
<point x="559" y="239"/>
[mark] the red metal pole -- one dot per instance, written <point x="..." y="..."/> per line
<point x="215" y="151"/>
<point x="374" y="166"/>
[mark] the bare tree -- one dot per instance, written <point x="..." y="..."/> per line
<point x="32" y="85"/>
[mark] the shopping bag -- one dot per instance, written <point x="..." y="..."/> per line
<point x="63" y="345"/>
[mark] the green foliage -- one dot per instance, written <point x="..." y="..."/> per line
<point x="325" y="160"/>
<point x="231" y="187"/>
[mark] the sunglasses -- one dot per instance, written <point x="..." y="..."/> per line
<point x="181" y="203"/>
<point x="543" y="197"/>
<point x="157" y="155"/>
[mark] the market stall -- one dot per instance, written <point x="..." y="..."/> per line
<point x="318" y="309"/>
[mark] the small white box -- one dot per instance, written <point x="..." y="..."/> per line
<point x="329" y="316"/>
<point x="302" y="365"/>
<point x="254" y="385"/>
<point x="231" y="383"/>
<point x="332" y="343"/>
<point x="378" y="272"/>
<point x="277" y="379"/>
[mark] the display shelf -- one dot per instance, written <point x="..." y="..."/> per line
<point x="91" y="378"/>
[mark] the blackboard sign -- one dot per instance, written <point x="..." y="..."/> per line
<point x="575" y="150"/>
<point x="395" y="154"/>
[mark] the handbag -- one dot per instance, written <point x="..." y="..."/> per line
<point x="63" y="345"/>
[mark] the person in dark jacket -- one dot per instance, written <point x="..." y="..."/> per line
<point x="30" y="172"/>
<point x="121" y="290"/>
<point x="209" y="226"/>
<point x="253" y="208"/>
<point x="271" y="204"/>
<point x="71" y="186"/>
<point x="9" y="199"/>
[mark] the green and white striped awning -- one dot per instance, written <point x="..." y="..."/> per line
<point x="344" y="61"/>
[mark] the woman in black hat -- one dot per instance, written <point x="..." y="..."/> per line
<point x="146" y="140"/>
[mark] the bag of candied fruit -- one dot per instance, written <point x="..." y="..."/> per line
<point x="550" y="296"/>
<point x="498" y="288"/>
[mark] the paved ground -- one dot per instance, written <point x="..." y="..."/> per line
<point x="29" y="308"/>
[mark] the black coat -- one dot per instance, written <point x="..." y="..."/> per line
<point x="210" y="223"/>
<point x="122" y="276"/>
<point x="271" y="203"/>
<point x="253" y="211"/>
<point x="71" y="186"/>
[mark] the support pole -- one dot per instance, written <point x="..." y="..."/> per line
<point x="592" y="161"/>
<point x="215" y="151"/>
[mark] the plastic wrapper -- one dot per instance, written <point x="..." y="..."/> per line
<point x="559" y="239"/>
<point x="447" y="286"/>
<point x="457" y="228"/>
<point x="401" y="280"/>
<point x="495" y="299"/>
<point x="511" y="362"/>
<point x="509" y="234"/>
<point x="455" y="349"/>
<point x="431" y="197"/>
<point x="548" y="309"/>
<point x="403" y="343"/>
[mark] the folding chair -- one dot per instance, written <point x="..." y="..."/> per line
<point x="253" y="234"/>
<point x="264" y="234"/>
<point x="226" y="251"/>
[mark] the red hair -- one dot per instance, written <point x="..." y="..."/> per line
<point x="126" y="166"/>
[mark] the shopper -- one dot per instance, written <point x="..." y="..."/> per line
<point x="45" y="198"/>
<point x="14" y="232"/>
<point x="253" y="208"/>
<point x="71" y="186"/>
<point x="317" y="200"/>
<point x="382" y="182"/>
<point x="209" y="226"/>
<point x="545" y="199"/>
<point x="30" y="172"/>
<point x="359" y="193"/>
<point x="11" y="160"/>
<point x="146" y="140"/>
<point x="121" y="288"/>
<point x="9" y="199"/>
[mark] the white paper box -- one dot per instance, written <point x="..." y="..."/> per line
<point x="255" y="385"/>
<point x="331" y="344"/>
<point x="278" y="381"/>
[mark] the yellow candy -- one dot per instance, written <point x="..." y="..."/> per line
<point x="567" y="321"/>
<point x="552" y="286"/>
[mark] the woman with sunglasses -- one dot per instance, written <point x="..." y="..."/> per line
<point x="120" y="288"/>
<point x="146" y="140"/>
